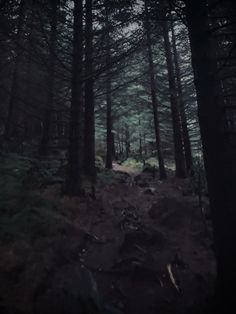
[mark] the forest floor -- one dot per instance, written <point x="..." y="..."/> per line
<point x="138" y="245"/>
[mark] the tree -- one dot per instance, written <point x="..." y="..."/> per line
<point x="47" y="122"/>
<point x="15" y="76"/>
<point x="74" y="171"/>
<point x="218" y="140"/>
<point x="109" y="137"/>
<point x="89" y="123"/>
<point x="180" y="171"/>
<point x="186" y="139"/>
<point x="153" y="95"/>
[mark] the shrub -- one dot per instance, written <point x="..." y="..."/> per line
<point x="99" y="163"/>
<point x="133" y="163"/>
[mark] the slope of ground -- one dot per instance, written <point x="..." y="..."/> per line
<point x="138" y="245"/>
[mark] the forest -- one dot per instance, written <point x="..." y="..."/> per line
<point x="117" y="156"/>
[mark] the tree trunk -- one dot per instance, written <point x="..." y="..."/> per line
<point x="154" y="96"/>
<point x="184" y="123"/>
<point x="28" y="125"/>
<point x="140" y="140"/>
<point x="109" y="125"/>
<point x="119" y="145"/>
<point x="89" y="123"/>
<point x="15" y="78"/>
<point x="108" y="95"/>
<point x="122" y="142"/>
<point x="74" y="171"/>
<point x="113" y="146"/>
<point x="127" y="142"/>
<point x="180" y="171"/>
<point x="144" y="144"/>
<point x="47" y="121"/>
<point x="219" y="149"/>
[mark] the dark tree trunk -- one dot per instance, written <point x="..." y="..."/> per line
<point x="15" y="78"/>
<point x="28" y="125"/>
<point x="47" y="121"/>
<point x="89" y="123"/>
<point x="184" y="123"/>
<point x="119" y="145"/>
<point x="140" y="140"/>
<point x="74" y="171"/>
<point x="122" y="142"/>
<point x="108" y="95"/>
<point x="180" y="171"/>
<point x="219" y="149"/>
<point x="144" y="144"/>
<point x="154" y="96"/>
<point x="127" y="142"/>
<point x="109" y="126"/>
<point x="113" y="146"/>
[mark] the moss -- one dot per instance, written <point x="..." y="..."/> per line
<point x="99" y="163"/>
<point x="107" y="176"/>
<point x="133" y="163"/>
<point x="23" y="210"/>
<point x="152" y="162"/>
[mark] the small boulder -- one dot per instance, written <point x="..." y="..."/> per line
<point x="72" y="290"/>
<point x="143" y="184"/>
<point x="149" y="191"/>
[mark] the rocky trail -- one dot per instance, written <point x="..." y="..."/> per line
<point x="139" y="247"/>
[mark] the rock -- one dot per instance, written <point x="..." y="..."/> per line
<point x="131" y="220"/>
<point x="72" y="290"/>
<point x="137" y="178"/>
<point x="123" y="177"/>
<point x="141" y="181"/>
<point x="179" y="262"/>
<point x="150" y="170"/>
<point x="154" y="211"/>
<point x="143" y="184"/>
<point x="149" y="191"/>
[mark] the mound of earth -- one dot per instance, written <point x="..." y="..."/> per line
<point x="123" y="252"/>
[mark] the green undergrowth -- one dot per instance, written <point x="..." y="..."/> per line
<point x="152" y="162"/>
<point x="132" y="163"/>
<point x="99" y="163"/>
<point x="107" y="176"/>
<point x="149" y="163"/>
<point x="23" y="210"/>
